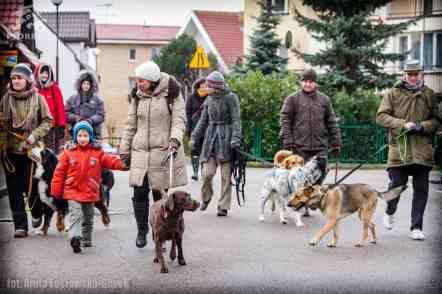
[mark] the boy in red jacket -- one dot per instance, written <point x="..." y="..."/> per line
<point x="77" y="178"/>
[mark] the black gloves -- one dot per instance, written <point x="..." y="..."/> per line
<point x="126" y="159"/>
<point x="414" y="128"/>
<point x="174" y="144"/>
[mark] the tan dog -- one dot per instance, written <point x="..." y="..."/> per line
<point x="286" y="159"/>
<point x="340" y="201"/>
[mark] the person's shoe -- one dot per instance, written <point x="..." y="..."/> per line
<point x="85" y="242"/>
<point x="194" y="177"/>
<point x="76" y="244"/>
<point x="388" y="221"/>
<point x="222" y="212"/>
<point x="36" y="222"/>
<point x="204" y="205"/>
<point x="417" y="234"/>
<point x="141" y="240"/>
<point x="20" y="233"/>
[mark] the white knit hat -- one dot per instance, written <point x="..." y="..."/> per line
<point x="148" y="71"/>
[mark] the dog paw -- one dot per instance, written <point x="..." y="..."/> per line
<point x="283" y="221"/>
<point x="261" y="218"/>
<point x="172" y="256"/>
<point x="181" y="261"/>
<point x="164" y="270"/>
<point x="331" y="245"/>
<point x="155" y="260"/>
<point x="373" y="241"/>
<point x="359" y="244"/>
<point x="312" y="242"/>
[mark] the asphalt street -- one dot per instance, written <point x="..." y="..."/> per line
<point x="237" y="254"/>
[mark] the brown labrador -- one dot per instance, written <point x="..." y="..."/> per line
<point x="167" y="222"/>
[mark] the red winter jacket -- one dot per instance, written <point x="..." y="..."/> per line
<point x="52" y="95"/>
<point x="78" y="173"/>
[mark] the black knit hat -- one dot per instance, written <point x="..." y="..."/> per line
<point x="23" y="70"/>
<point x="309" y="74"/>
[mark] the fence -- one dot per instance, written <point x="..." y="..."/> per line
<point x="359" y="142"/>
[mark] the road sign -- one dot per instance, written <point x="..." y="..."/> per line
<point x="199" y="59"/>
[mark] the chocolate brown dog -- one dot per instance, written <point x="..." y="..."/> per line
<point x="167" y="222"/>
<point x="340" y="201"/>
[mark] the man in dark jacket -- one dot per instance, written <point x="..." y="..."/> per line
<point x="220" y="125"/>
<point x="194" y="108"/>
<point x="86" y="105"/>
<point x="308" y="122"/>
<point x="409" y="113"/>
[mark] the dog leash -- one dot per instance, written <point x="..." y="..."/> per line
<point x="365" y="161"/>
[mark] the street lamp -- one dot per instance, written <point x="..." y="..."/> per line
<point x="57" y="4"/>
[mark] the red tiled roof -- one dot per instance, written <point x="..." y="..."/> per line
<point x="225" y="31"/>
<point x="135" y="32"/>
<point x="11" y="12"/>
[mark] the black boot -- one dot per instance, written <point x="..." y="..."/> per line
<point x="195" y="165"/>
<point x="141" y="211"/>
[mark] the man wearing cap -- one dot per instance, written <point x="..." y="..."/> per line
<point x="308" y="123"/>
<point x="154" y="130"/>
<point x="409" y="113"/>
<point x="220" y="127"/>
<point x="24" y="120"/>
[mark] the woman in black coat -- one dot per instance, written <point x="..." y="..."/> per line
<point x="194" y="108"/>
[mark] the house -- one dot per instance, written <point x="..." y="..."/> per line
<point x="291" y="33"/>
<point x="121" y="49"/>
<point x="423" y="40"/>
<point x="76" y="28"/>
<point x="219" y="33"/>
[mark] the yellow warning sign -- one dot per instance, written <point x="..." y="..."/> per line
<point x="199" y="59"/>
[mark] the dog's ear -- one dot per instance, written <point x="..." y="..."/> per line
<point x="170" y="202"/>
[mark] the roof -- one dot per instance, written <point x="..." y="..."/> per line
<point x="136" y="32"/>
<point x="225" y="31"/>
<point x="11" y="12"/>
<point x="74" y="26"/>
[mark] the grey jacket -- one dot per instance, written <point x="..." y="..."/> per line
<point x="86" y="107"/>
<point x="220" y="125"/>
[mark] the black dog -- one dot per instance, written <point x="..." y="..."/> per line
<point x="41" y="203"/>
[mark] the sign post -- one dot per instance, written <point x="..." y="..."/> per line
<point x="199" y="60"/>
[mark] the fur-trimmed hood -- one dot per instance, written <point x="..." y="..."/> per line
<point x="83" y="75"/>
<point x="37" y="72"/>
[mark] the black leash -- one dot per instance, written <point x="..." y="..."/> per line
<point x="239" y="164"/>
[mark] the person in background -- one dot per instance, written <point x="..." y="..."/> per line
<point x="194" y="108"/>
<point x="49" y="89"/>
<point x="220" y="129"/>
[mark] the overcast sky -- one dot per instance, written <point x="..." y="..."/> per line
<point x="152" y="12"/>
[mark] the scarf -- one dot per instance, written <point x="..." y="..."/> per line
<point x="9" y="106"/>
<point x="412" y="88"/>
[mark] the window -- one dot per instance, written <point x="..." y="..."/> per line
<point x="132" y="54"/>
<point x="439" y="49"/>
<point x="415" y="46"/>
<point x="279" y="6"/>
<point x="403" y="48"/>
<point x="428" y="7"/>
<point x="428" y="51"/>
<point x="154" y="52"/>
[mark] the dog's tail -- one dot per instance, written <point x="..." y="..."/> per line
<point x="392" y="193"/>
<point x="280" y="156"/>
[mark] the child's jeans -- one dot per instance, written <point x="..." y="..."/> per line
<point x="81" y="219"/>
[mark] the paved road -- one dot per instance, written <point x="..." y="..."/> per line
<point x="236" y="254"/>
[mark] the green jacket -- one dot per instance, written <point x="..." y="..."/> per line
<point x="399" y="106"/>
